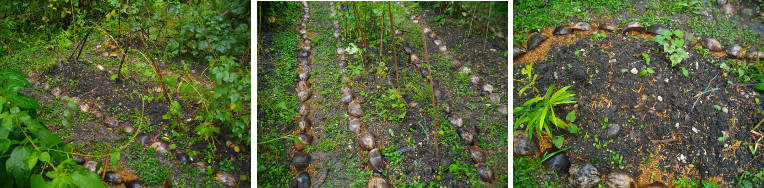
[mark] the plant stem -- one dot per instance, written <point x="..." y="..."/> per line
<point x="432" y="98"/>
<point x="486" y="28"/>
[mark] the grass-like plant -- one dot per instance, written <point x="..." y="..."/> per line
<point x="538" y="113"/>
<point x="673" y="45"/>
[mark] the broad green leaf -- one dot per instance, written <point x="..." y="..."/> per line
<point x="48" y="137"/>
<point x="73" y="106"/>
<point x="44" y="156"/>
<point x="38" y="182"/>
<point x="31" y="159"/>
<point x="14" y="110"/>
<point x="16" y="167"/>
<point x="24" y="101"/>
<point x="5" y="144"/>
<point x="665" y="32"/>
<point x="679" y="33"/>
<point x="759" y="86"/>
<point x="81" y="177"/>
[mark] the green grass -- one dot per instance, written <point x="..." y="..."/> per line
<point x="526" y="170"/>
<point x="145" y="164"/>
<point x="534" y="18"/>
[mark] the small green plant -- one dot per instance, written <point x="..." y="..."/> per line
<point x="646" y="58"/>
<point x="718" y="107"/>
<point x="598" y="37"/>
<point x="709" y="184"/>
<point x="538" y="112"/>
<point x="605" y="124"/>
<point x="685" y="73"/>
<point x="672" y="42"/>
<point x="617" y="159"/>
<point x="685" y="182"/>
<point x="528" y="71"/>
<point x="646" y="71"/>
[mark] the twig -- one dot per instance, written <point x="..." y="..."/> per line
<point x="432" y="97"/>
<point x="486" y="29"/>
<point x="664" y="141"/>
<point x="704" y="92"/>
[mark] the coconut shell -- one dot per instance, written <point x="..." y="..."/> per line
<point x="303" y="110"/>
<point x="355" y="125"/>
<point x="304" y="138"/>
<point x="466" y="136"/>
<point x="485" y="172"/>
<point x="477" y="153"/>
<point x="303" y="85"/>
<point x="456" y="121"/>
<point x="634" y="26"/>
<point x="456" y="63"/>
<point x="535" y="41"/>
<point x="377" y="182"/>
<point x="303" y="124"/>
<point x="136" y="183"/>
<point x="733" y="50"/>
<point x="583" y="26"/>
<point x="301" y="160"/>
<point x="517" y="51"/>
<point x="301" y="180"/>
<point x="560" y="30"/>
<point x="112" y="177"/>
<point x="747" y="13"/>
<point x="711" y="44"/>
<point x="728" y="9"/>
<point x="366" y="140"/>
<point x="376" y="161"/>
<point x="608" y="27"/>
<point x="656" y="29"/>
<point x="354" y="109"/>
<point x="447" y="107"/>
<point x="487" y="87"/>
<point x="183" y="158"/>
<point x="346" y="98"/>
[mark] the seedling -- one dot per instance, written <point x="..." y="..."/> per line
<point x="646" y="58"/>
<point x="605" y="125"/>
<point x="617" y="159"/>
<point x="685" y="73"/>
<point x="646" y="71"/>
<point x="558" y="141"/>
<point x="720" y="139"/>
<point x="672" y="42"/>
<point x="538" y="112"/>
<point x="718" y="107"/>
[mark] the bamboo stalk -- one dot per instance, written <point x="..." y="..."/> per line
<point x="473" y="15"/>
<point x="395" y="54"/>
<point x="486" y="28"/>
<point x="432" y="98"/>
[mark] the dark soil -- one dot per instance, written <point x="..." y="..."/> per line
<point x="665" y="102"/>
<point x="122" y="100"/>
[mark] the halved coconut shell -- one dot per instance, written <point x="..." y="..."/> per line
<point x="307" y="139"/>
<point x="112" y="177"/>
<point x="456" y="121"/>
<point x="485" y="172"/>
<point x="466" y="135"/>
<point x="301" y="160"/>
<point x="560" y="30"/>
<point x="354" y="109"/>
<point x="711" y="44"/>
<point x="734" y="50"/>
<point x="303" y="124"/>
<point x="583" y="26"/>
<point x="535" y="41"/>
<point x="366" y="140"/>
<point x="355" y="125"/>
<point x="376" y="161"/>
<point x="477" y="153"/>
<point x="608" y="27"/>
<point x="634" y="26"/>
<point x="656" y="29"/>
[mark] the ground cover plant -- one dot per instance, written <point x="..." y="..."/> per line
<point x="365" y="94"/>
<point x="664" y="96"/>
<point x="126" y="93"/>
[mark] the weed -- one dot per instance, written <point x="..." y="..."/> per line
<point x="617" y="159"/>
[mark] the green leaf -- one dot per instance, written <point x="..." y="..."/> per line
<point x="717" y="107"/>
<point x="685" y="73"/>
<point x="24" y="101"/>
<point x="44" y="156"/>
<point x="115" y="157"/>
<point x="558" y="141"/>
<point x="38" y="182"/>
<point x="73" y="106"/>
<point x="31" y="159"/>
<point x="574" y="129"/>
<point x="14" y="110"/>
<point x="665" y="33"/>
<point x="679" y="33"/>
<point x="642" y="72"/>
<point x="5" y="144"/>
<point x="624" y="70"/>
<point x="48" y="137"/>
<point x="571" y="117"/>
<point x="720" y="139"/>
<point x="650" y="70"/>
<point x="81" y="177"/>
<point x="67" y="114"/>
<point x="16" y="167"/>
<point x="759" y="86"/>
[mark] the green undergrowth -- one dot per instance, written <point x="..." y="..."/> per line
<point x="277" y="104"/>
<point x="528" y="16"/>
